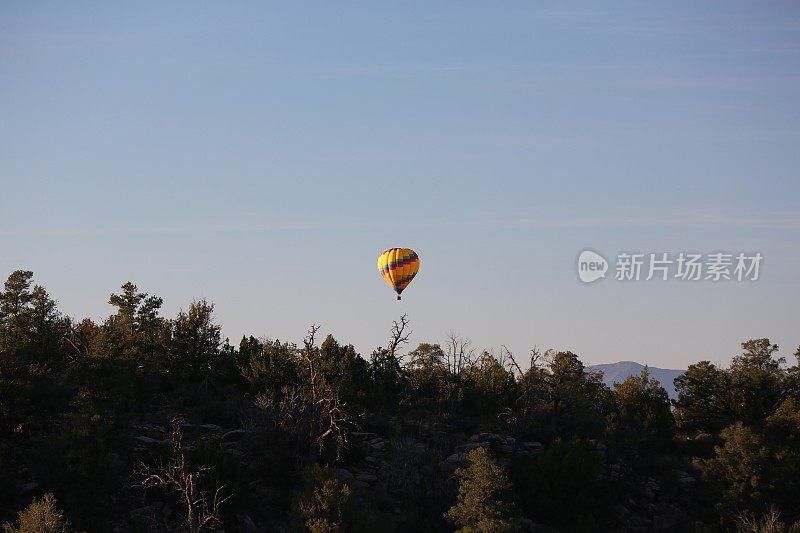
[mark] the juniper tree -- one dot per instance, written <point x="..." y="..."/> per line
<point x="483" y="497"/>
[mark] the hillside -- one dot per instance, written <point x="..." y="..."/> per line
<point x="618" y="372"/>
<point x="144" y="422"/>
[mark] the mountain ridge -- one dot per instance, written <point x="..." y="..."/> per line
<point x="621" y="370"/>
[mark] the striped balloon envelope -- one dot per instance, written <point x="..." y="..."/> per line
<point x="398" y="266"/>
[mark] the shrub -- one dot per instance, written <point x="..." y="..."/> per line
<point x="41" y="516"/>
<point x="320" y="507"/>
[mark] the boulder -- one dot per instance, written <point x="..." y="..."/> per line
<point x="457" y="458"/>
<point x="464" y="448"/>
<point x="362" y="435"/>
<point x="505" y="448"/>
<point x="447" y="467"/>
<point x="153" y="442"/>
<point x="686" y="480"/>
<point x="532" y="446"/>
<point x="235" y="434"/>
<point x="28" y="487"/>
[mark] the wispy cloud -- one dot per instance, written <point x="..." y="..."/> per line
<point x="398" y="68"/>
<point x="678" y="219"/>
<point x="166" y="230"/>
<point x="686" y="219"/>
<point x="710" y="82"/>
<point x="563" y="14"/>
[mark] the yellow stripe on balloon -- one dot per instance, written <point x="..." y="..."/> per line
<point x="398" y="266"/>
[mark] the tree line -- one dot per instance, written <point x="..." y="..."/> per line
<point x="544" y="446"/>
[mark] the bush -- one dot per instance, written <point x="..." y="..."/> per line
<point x="320" y="507"/>
<point x="41" y="516"/>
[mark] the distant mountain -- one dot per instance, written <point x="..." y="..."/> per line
<point x="619" y="372"/>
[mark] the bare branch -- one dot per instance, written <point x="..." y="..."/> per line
<point x="309" y="342"/>
<point x="309" y="354"/>
<point x="333" y="418"/>
<point x="536" y="356"/>
<point x="460" y="353"/>
<point x="178" y="477"/>
<point x="505" y="353"/>
<point x="399" y="335"/>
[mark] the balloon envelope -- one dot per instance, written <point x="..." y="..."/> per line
<point x="398" y="266"/>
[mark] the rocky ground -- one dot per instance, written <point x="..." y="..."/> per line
<point x="384" y="463"/>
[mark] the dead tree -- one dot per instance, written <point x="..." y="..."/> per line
<point x="201" y="509"/>
<point x="507" y="360"/>
<point x="308" y="425"/>
<point x="309" y="354"/>
<point x="460" y="353"/>
<point x="333" y="417"/>
<point x="324" y="415"/>
<point x="536" y="357"/>
<point x="399" y="335"/>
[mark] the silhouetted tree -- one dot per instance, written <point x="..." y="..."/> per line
<point x="756" y="381"/>
<point x="704" y="398"/>
<point x="15" y="312"/>
<point x="196" y="341"/>
<point x="640" y="426"/>
<point x="30" y="324"/>
<point x="269" y="366"/>
<point x="136" y="330"/>
<point x="344" y="371"/>
<point x="490" y="386"/>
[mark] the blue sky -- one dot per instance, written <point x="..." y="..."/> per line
<point x="261" y="155"/>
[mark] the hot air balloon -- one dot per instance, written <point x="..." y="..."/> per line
<point x="398" y="266"/>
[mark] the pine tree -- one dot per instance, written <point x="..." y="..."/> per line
<point x="641" y="425"/>
<point x="757" y="381"/>
<point x="482" y="497"/>
<point x="703" y="398"/>
<point x="196" y="340"/>
<point x="135" y="330"/>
